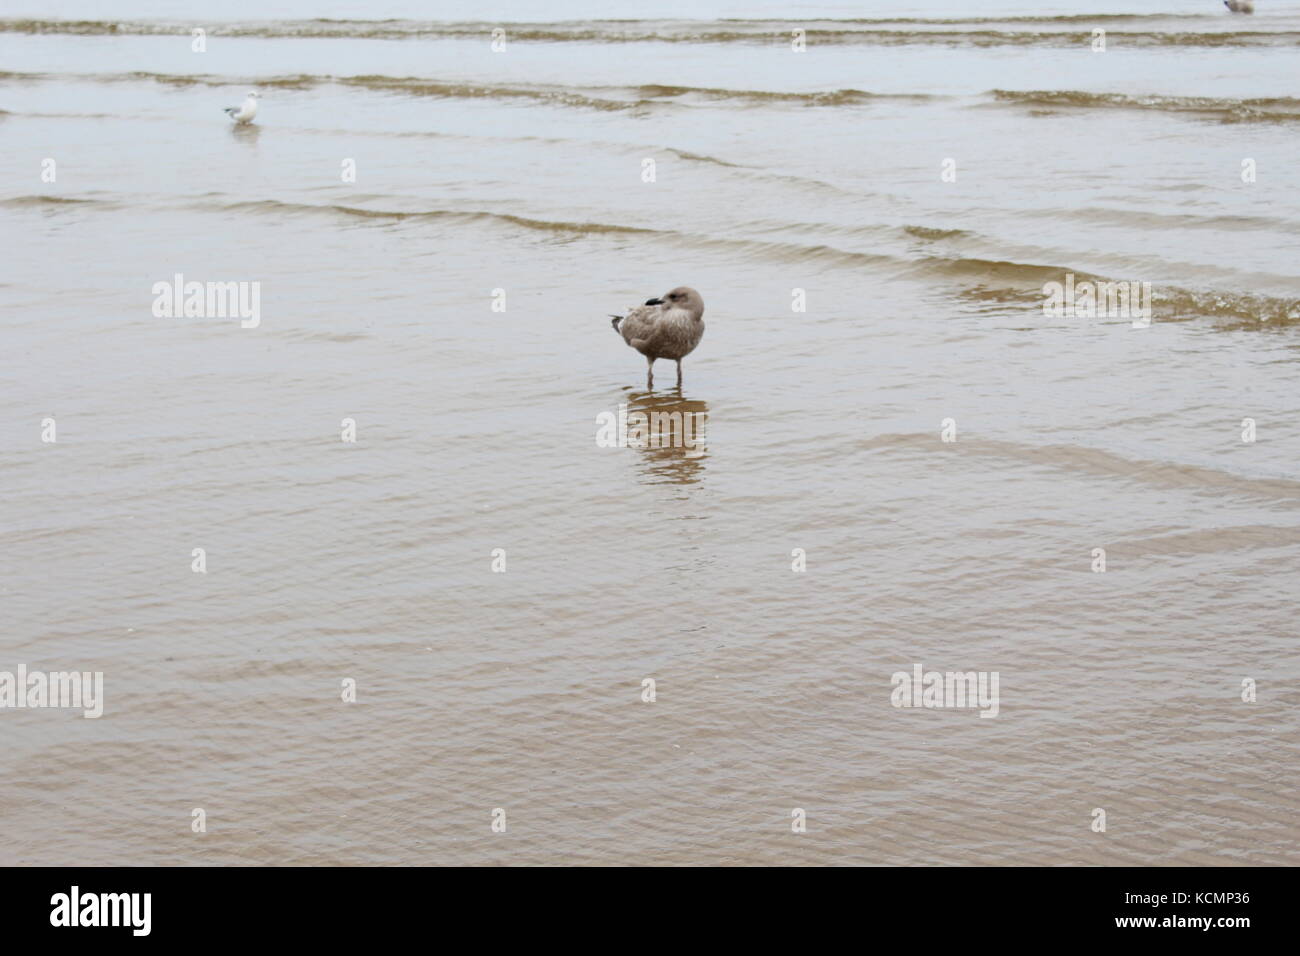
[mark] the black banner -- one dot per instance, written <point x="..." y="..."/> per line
<point x="1149" y="906"/>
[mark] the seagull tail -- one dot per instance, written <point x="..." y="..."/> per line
<point x="230" y="110"/>
<point x="615" y="320"/>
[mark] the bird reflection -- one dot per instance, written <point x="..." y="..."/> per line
<point x="246" y="132"/>
<point x="670" y="432"/>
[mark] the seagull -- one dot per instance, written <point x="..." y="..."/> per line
<point x="669" y="327"/>
<point x="243" y="114"/>
<point x="1240" y="6"/>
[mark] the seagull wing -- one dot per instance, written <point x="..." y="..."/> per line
<point x="638" y="326"/>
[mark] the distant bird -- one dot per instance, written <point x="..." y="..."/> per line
<point x="243" y="114"/>
<point x="669" y="327"/>
<point x="1240" y="6"/>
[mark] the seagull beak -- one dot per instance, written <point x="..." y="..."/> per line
<point x="654" y="301"/>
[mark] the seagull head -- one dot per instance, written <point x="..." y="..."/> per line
<point x="254" y="95"/>
<point x="682" y="297"/>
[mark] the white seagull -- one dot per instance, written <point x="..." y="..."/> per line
<point x="669" y="327"/>
<point x="1240" y="6"/>
<point x="244" y="113"/>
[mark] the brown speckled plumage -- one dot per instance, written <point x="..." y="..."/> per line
<point x="669" y="327"/>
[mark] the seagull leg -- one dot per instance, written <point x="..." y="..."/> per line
<point x="679" y="374"/>
<point x="649" y="374"/>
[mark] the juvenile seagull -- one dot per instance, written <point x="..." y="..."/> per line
<point x="1240" y="6"/>
<point x="243" y="114"/>
<point x="669" y="328"/>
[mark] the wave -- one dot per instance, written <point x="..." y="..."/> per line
<point x="602" y="97"/>
<point x="1134" y="218"/>
<point x="1006" y="283"/>
<point x="1020" y="275"/>
<point x="701" y="158"/>
<point x="821" y="253"/>
<point x="1237" y="310"/>
<point x="414" y="86"/>
<point x="608" y="98"/>
<point x="37" y="202"/>
<point x="931" y="232"/>
<point x="1066" y="30"/>
<point x="279" y="208"/>
<point x="652" y="92"/>
<point x="1277" y="109"/>
<point x="1011" y="281"/>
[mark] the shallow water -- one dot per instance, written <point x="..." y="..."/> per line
<point x="775" y="171"/>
